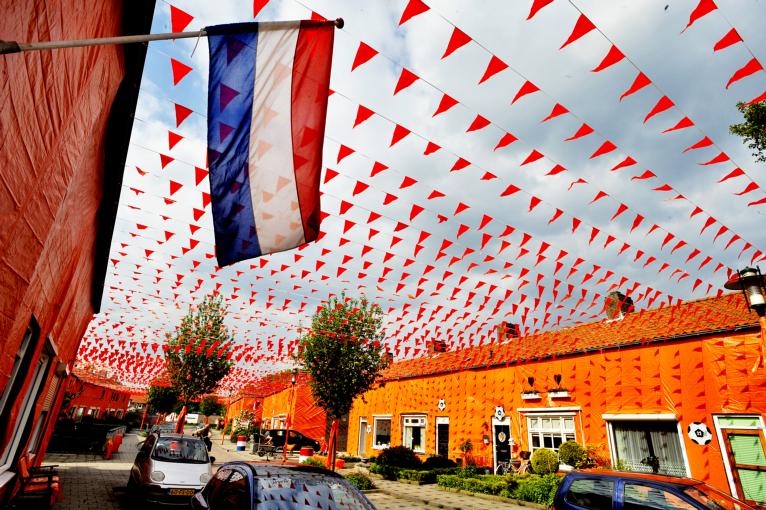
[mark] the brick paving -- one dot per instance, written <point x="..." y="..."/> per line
<point x="93" y="483"/>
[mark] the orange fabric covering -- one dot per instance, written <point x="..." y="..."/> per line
<point x="305" y="416"/>
<point x="691" y="378"/>
<point x="726" y="313"/>
<point x="53" y="109"/>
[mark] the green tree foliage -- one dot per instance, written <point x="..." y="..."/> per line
<point x="753" y="130"/>
<point x="199" y="353"/>
<point x="343" y="352"/>
<point x="161" y="399"/>
<point x="571" y="453"/>
<point x="209" y="406"/>
<point x="545" y="461"/>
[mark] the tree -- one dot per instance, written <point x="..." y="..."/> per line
<point x="343" y="355"/>
<point x="161" y="399"/>
<point x="753" y="130"/>
<point x="209" y="406"/>
<point x="199" y="352"/>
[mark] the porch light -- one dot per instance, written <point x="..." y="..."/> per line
<point x="751" y="282"/>
<point x="486" y="440"/>
<point x="295" y="374"/>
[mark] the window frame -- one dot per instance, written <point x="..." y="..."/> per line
<point x="25" y="421"/>
<point x="23" y="358"/>
<point x="730" y="466"/>
<point x="594" y="479"/>
<point x="375" y="419"/>
<point x="423" y="434"/>
<point x="563" y="432"/>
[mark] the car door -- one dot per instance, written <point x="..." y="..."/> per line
<point x="642" y="495"/>
<point x="589" y="493"/>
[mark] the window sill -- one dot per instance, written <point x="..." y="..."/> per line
<point x="381" y="447"/>
<point x="5" y="477"/>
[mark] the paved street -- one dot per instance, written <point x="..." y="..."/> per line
<point x="93" y="483"/>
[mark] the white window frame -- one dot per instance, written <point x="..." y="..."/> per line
<point x="40" y="369"/>
<point x="375" y="418"/>
<point x="722" y="447"/>
<point x="609" y="418"/>
<point x="424" y="418"/>
<point x="550" y="413"/>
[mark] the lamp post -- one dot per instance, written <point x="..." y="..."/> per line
<point x="751" y="282"/>
<point x="289" y="413"/>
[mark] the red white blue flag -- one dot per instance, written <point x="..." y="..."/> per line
<point x="267" y="104"/>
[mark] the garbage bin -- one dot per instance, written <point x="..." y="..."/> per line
<point x="306" y="452"/>
<point x="241" y="443"/>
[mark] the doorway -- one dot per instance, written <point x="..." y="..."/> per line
<point x="442" y="436"/>
<point x="362" y="443"/>
<point x="501" y="440"/>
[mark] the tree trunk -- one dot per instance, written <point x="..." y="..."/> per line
<point x="181" y="420"/>
<point x="332" y="444"/>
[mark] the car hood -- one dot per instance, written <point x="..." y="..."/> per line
<point x="180" y="473"/>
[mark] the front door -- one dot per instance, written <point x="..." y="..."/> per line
<point x="502" y="442"/>
<point x="442" y="436"/>
<point x="362" y="445"/>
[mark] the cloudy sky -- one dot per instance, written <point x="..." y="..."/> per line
<point x="436" y="245"/>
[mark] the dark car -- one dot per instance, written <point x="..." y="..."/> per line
<point x="294" y="438"/>
<point x="619" y="490"/>
<point x="245" y="486"/>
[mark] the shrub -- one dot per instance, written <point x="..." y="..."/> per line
<point x="424" y="476"/>
<point x="545" y="461"/>
<point x="398" y="456"/>
<point x="438" y="462"/>
<point x="311" y="461"/>
<point x="466" y="472"/>
<point x="387" y="472"/>
<point x="361" y="481"/>
<point x="572" y="453"/>
<point x="537" y="489"/>
<point x="451" y="481"/>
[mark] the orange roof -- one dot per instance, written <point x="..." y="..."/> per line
<point x="726" y="313"/>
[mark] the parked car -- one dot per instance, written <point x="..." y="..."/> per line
<point x="169" y="469"/>
<point x="243" y="485"/>
<point x="620" y="490"/>
<point x="295" y="438"/>
<point x="192" y="419"/>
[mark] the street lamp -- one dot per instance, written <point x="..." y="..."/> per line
<point x="751" y="282"/>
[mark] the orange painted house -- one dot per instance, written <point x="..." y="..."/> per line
<point x="673" y="383"/>
<point x="94" y="400"/>
<point x="305" y="416"/>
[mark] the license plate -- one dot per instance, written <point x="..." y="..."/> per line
<point x="182" y="492"/>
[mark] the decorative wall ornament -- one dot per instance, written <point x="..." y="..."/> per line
<point x="442" y="405"/>
<point x="499" y="413"/>
<point x="699" y="433"/>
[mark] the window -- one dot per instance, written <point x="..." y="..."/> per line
<point x="649" y="447"/>
<point x="549" y="431"/>
<point x="744" y="450"/>
<point x="23" y="426"/>
<point x="381" y="433"/>
<point x="645" y="497"/>
<point x="233" y="493"/>
<point x="93" y="411"/>
<point x="591" y="493"/>
<point x="414" y="433"/>
<point x="21" y="364"/>
<point x="119" y="413"/>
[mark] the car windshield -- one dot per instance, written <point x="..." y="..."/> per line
<point x="180" y="449"/>
<point x="714" y="499"/>
<point x="309" y="491"/>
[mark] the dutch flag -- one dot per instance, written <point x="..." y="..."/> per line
<point x="267" y="104"/>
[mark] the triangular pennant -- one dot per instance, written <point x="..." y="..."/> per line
<point x="182" y="113"/>
<point x="494" y="66"/>
<point x="527" y="88"/>
<point x="582" y="27"/>
<point x="363" y="54"/>
<point x="640" y="82"/>
<point x="703" y="7"/>
<point x="179" y="19"/>
<point x="406" y="79"/>
<point x="612" y="57"/>
<point x="445" y="104"/>
<point x="456" y="40"/>
<point x="414" y="7"/>
<point x="362" y="113"/>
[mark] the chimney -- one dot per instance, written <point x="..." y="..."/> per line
<point x="437" y="346"/>
<point x="507" y="331"/>
<point x="617" y="305"/>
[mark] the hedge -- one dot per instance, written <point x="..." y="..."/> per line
<point x="361" y="481"/>
<point x="418" y="475"/>
<point x="533" y="488"/>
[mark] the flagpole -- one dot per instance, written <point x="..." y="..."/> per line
<point x="7" y="47"/>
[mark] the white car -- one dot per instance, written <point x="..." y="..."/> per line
<point x="169" y="469"/>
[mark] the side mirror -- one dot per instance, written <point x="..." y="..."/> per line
<point x="212" y="460"/>
<point x="198" y="502"/>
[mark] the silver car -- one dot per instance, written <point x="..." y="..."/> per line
<point x="169" y="469"/>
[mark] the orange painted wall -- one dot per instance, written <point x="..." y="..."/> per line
<point x="692" y="379"/>
<point x="93" y="395"/>
<point x="307" y="418"/>
<point x="245" y="403"/>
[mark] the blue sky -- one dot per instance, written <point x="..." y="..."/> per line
<point x="270" y="302"/>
